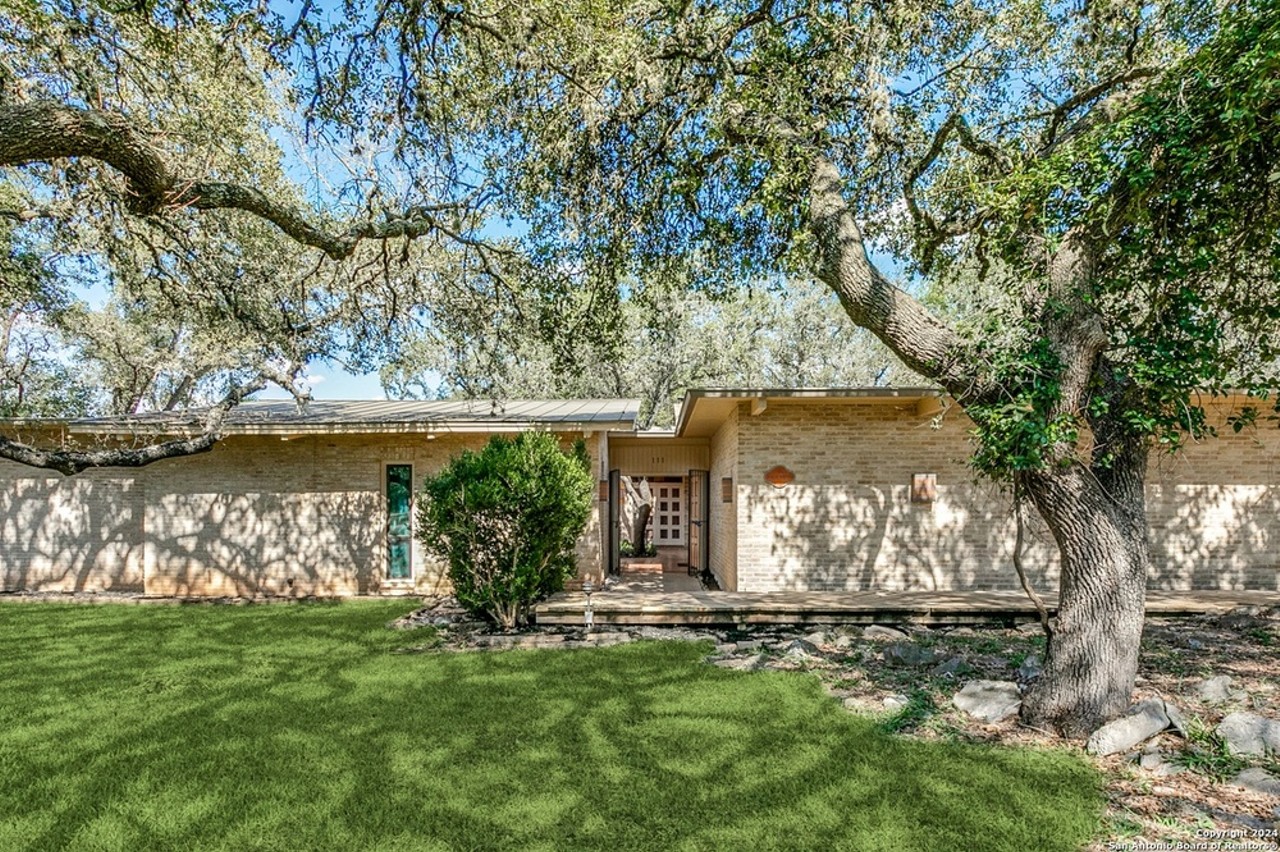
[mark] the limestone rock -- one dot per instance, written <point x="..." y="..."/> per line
<point x="989" y="700"/>
<point x="1030" y="668"/>
<point x="908" y="654"/>
<point x="854" y="704"/>
<point x="894" y="703"/>
<point x="1259" y="781"/>
<point x="954" y="667"/>
<point x="1217" y="690"/>
<point x="878" y="631"/>
<point x="744" y="664"/>
<point x="801" y="648"/>
<point x="1250" y="734"/>
<point x="1144" y="720"/>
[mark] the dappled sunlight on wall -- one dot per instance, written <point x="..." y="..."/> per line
<point x="847" y="522"/>
<point x="70" y="534"/>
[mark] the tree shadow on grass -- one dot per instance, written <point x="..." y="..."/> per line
<point x="294" y="727"/>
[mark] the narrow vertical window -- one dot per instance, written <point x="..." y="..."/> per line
<point x="399" y="521"/>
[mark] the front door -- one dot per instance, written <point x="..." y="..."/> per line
<point x="699" y="499"/>
<point x="668" y="513"/>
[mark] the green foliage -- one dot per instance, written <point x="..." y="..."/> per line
<point x="1180" y="186"/>
<point x="1207" y="754"/>
<point x="918" y="710"/>
<point x="628" y="550"/>
<point x="506" y="519"/>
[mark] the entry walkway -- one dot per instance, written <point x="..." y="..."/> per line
<point x="623" y="605"/>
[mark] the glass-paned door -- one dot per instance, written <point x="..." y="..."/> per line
<point x="668" y="513"/>
<point x="399" y="522"/>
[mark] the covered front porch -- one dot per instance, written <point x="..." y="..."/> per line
<point x="656" y="528"/>
<point x="624" y="604"/>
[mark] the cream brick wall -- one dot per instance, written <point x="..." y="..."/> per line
<point x="255" y="515"/>
<point x="60" y="534"/>
<point x="722" y="536"/>
<point x="847" y="521"/>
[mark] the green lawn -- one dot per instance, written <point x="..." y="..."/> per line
<point x="298" y="727"/>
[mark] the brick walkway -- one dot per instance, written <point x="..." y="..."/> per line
<point x="622" y="605"/>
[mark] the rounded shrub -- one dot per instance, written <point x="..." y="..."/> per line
<point x="506" y="519"/>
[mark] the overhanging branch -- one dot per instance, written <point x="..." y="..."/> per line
<point x="923" y="342"/>
<point x="44" y="132"/>
<point x="71" y="462"/>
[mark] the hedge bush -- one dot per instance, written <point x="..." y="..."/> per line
<point x="506" y="519"/>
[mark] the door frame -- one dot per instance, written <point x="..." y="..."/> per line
<point x="702" y="525"/>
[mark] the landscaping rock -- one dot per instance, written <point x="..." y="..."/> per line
<point x="1031" y="628"/>
<point x="894" y="703"/>
<point x="818" y="638"/>
<point x="745" y="664"/>
<point x="1176" y="720"/>
<point x="1145" y="720"/>
<point x="908" y="654"/>
<point x="1217" y="690"/>
<point x="954" y="667"/>
<point x="1030" y="668"/>
<point x="726" y="647"/>
<point x="750" y="645"/>
<point x="801" y="648"/>
<point x="1258" y="781"/>
<point x="878" y="631"/>
<point x="1195" y="644"/>
<point x="843" y="641"/>
<point x="989" y="700"/>
<point x="854" y="704"/>
<point x="1250" y="734"/>
<point x="601" y="640"/>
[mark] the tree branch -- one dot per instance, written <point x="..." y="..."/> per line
<point x="921" y="340"/>
<point x="71" y="462"/>
<point x="43" y="132"/>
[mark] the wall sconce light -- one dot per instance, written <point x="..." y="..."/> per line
<point x="924" y="487"/>
<point x="726" y="489"/>
<point x="604" y="490"/>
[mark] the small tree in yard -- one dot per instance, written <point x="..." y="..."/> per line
<point x="506" y="519"/>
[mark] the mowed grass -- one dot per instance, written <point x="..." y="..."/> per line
<point x="299" y="727"/>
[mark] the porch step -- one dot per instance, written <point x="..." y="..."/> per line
<point x="729" y="608"/>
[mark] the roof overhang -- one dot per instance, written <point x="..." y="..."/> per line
<point x="353" y="418"/>
<point x="705" y="410"/>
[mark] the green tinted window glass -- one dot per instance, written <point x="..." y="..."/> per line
<point x="399" y="521"/>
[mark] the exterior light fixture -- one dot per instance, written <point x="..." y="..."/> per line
<point x="588" y="613"/>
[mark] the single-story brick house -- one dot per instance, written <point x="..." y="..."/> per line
<point x="832" y="489"/>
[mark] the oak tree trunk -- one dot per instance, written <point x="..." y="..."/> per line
<point x="1098" y="520"/>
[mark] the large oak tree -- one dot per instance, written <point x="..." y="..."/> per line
<point x="1102" y="175"/>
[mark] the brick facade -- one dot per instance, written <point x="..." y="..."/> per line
<point x="257" y="515"/>
<point x="847" y="521"/>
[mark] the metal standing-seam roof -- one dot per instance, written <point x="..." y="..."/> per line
<point x="326" y="416"/>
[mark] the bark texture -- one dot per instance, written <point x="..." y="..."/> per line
<point x="1092" y="658"/>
